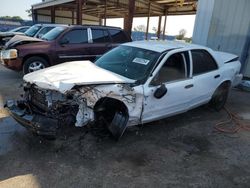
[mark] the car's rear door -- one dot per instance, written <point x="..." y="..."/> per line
<point x="173" y="76"/>
<point x="206" y="76"/>
<point x="73" y="45"/>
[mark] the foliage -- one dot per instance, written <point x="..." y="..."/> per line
<point x="11" y="18"/>
<point x="140" y="28"/>
<point x="29" y="11"/>
<point x="182" y="34"/>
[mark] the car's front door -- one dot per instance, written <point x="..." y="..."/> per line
<point x="170" y="89"/>
<point x="74" y="45"/>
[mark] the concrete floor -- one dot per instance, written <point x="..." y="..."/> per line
<point x="181" y="151"/>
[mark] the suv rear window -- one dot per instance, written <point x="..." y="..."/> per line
<point x="100" y="36"/>
<point x="118" y="36"/>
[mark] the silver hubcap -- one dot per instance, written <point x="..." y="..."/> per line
<point x="37" y="65"/>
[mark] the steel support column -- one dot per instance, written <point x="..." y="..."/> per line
<point x="128" y="19"/>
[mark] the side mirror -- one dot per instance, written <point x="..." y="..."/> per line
<point x="64" y="41"/>
<point x="160" y="92"/>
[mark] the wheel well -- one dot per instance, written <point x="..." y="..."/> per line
<point x="107" y="107"/>
<point x="37" y="55"/>
<point x="226" y="83"/>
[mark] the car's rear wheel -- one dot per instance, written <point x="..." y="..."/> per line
<point x="33" y="64"/>
<point x="220" y="96"/>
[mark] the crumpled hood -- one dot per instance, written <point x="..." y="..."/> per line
<point x="9" y="34"/>
<point x="64" y="77"/>
<point x="17" y="39"/>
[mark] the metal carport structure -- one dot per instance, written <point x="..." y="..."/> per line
<point x="97" y="11"/>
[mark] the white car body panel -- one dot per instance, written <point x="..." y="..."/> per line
<point x="96" y="83"/>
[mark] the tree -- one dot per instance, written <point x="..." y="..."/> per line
<point x="29" y="11"/>
<point x="140" y="28"/>
<point x="156" y="30"/>
<point x="182" y="34"/>
<point x="12" y="18"/>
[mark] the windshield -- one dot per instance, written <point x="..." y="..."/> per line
<point x="53" y="34"/>
<point x="32" y="31"/>
<point x="131" y="62"/>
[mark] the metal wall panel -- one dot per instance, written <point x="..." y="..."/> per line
<point x="202" y="21"/>
<point x="43" y="19"/>
<point x="229" y="25"/>
<point x="226" y="28"/>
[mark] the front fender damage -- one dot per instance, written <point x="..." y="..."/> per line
<point x="116" y="106"/>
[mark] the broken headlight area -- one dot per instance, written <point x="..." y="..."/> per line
<point x="43" y="111"/>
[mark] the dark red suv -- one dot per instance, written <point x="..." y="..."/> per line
<point x="61" y="44"/>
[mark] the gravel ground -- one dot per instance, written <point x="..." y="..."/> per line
<point x="181" y="151"/>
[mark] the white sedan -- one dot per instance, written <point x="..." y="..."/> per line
<point x="135" y="83"/>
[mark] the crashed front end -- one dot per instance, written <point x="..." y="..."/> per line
<point x="44" y="111"/>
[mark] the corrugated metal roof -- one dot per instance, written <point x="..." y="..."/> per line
<point x="118" y="8"/>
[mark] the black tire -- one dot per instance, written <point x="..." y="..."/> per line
<point x="30" y="63"/>
<point x="220" y="96"/>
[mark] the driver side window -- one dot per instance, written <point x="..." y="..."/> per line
<point x="175" y="68"/>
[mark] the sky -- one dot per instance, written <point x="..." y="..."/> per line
<point x="174" y="23"/>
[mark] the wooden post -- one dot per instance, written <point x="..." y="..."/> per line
<point x="73" y="17"/>
<point x="149" y="10"/>
<point x="79" y="12"/>
<point x="52" y="14"/>
<point x="159" y="28"/>
<point x="100" y="20"/>
<point x="105" y="13"/>
<point x="164" y="27"/>
<point x="128" y="19"/>
<point x="34" y="15"/>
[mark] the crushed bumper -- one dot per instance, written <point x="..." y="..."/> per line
<point x="237" y="80"/>
<point x="36" y="123"/>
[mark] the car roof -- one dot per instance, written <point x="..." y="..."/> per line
<point x="161" y="46"/>
<point x="45" y="25"/>
<point x="94" y="26"/>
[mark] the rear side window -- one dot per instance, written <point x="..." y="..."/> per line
<point x="202" y="62"/>
<point x="118" y="36"/>
<point x="100" y="36"/>
<point x="77" y="36"/>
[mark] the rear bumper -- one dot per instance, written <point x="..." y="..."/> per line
<point x="237" y="80"/>
<point x="36" y="123"/>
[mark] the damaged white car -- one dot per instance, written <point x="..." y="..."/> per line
<point x="135" y="83"/>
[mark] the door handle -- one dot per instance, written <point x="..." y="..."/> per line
<point x="217" y="76"/>
<point x="189" y="86"/>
